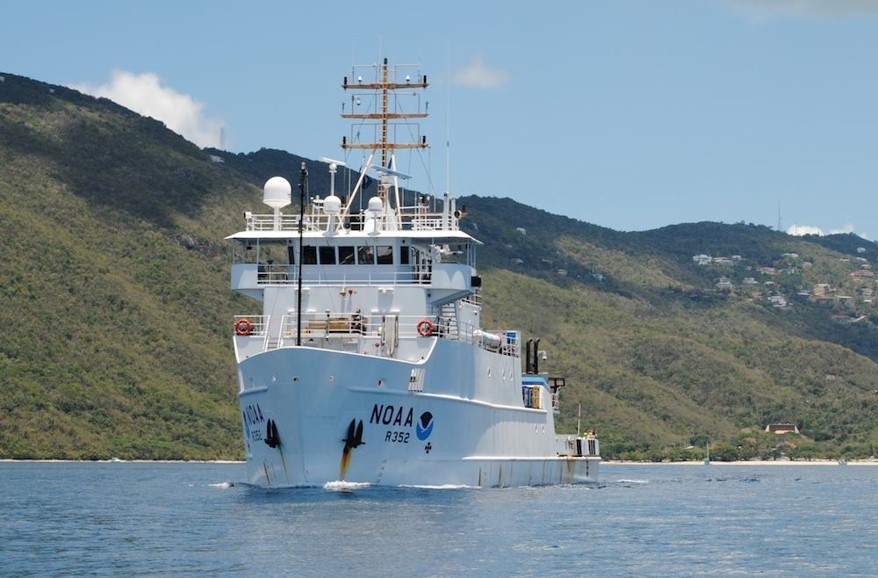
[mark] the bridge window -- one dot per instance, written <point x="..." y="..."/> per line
<point x="309" y="255"/>
<point x="365" y="256"/>
<point x="385" y="255"/>
<point x="327" y="255"/>
<point x="346" y="255"/>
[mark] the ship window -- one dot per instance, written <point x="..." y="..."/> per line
<point x="327" y="255"/>
<point x="243" y="251"/>
<point x="403" y="255"/>
<point x="365" y="256"/>
<point x="291" y="254"/>
<point x="309" y="255"/>
<point x="385" y="255"/>
<point x="346" y="255"/>
<point x="455" y="253"/>
<point x="271" y="252"/>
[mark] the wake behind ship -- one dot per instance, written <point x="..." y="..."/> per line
<point x="368" y="363"/>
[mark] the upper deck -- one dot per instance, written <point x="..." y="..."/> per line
<point x="415" y="222"/>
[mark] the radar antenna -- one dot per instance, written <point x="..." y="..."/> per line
<point x="383" y="107"/>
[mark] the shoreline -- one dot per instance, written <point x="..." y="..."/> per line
<point x="119" y="461"/>
<point x="865" y="462"/>
<point x="784" y="463"/>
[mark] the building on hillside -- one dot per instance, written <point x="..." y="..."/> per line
<point x="821" y="290"/>
<point x="782" y="428"/>
<point x="778" y="301"/>
<point x="845" y="319"/>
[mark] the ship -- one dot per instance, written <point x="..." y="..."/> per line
<point x="368" y="363"/>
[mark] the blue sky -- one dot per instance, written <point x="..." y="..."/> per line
<point x="627" y="114"/>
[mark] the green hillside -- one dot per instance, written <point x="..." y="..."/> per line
<point x="115" y="302"/>
<point x="116" y="305"/>
<point x="667" y="353"/>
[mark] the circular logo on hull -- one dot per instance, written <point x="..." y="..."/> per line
<point x="425" y="426"/>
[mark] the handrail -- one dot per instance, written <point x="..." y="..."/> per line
<point x="411" y="219"/>
<point x="342" y="325"/>
<point x="287" y="274"/>
<point x="338" y="324"/>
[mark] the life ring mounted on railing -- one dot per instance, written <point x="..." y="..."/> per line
<point x="425" y="328"/>
<point x="243" y="327"/>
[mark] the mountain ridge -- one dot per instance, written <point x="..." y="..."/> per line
<point x="118" y="310"/>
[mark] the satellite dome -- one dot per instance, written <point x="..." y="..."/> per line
<point x="332" y="205"/>
<point x="276" y="192"/>
<point x="375" y="204"/>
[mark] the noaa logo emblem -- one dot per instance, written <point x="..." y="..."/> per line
<point x="425" y="426"/>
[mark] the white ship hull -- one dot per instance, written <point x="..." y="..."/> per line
<point x="444" y="435"/>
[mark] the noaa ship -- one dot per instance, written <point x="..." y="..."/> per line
<point x="368" y="363"/>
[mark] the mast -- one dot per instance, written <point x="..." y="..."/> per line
<point x="303" y="185"/>
<point x="383" y="106"/>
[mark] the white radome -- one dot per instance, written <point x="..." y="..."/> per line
<point x="276" y="192"/>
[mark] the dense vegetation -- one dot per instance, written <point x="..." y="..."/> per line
<point x="116" y="306"/>
<point x="664" y="359"/>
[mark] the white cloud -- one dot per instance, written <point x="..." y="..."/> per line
<point x="479" y="75"/>
<point x="145" y="95"/>
<point x="800" y="230"/>
<point x="842" y="231"/>
<point x="832" y="8"/>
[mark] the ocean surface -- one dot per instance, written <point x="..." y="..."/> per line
<point x="161" y="519"/>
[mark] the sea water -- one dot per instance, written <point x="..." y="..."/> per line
<point x="74" y="519"/>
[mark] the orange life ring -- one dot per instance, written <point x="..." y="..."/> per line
<point x="425" y="328"/>
<point x="243" y="327"/>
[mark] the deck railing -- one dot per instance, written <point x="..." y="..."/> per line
<point x="288" y="274"/>
<point x="409" y="219"/>
<point x="334" y="326"/>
